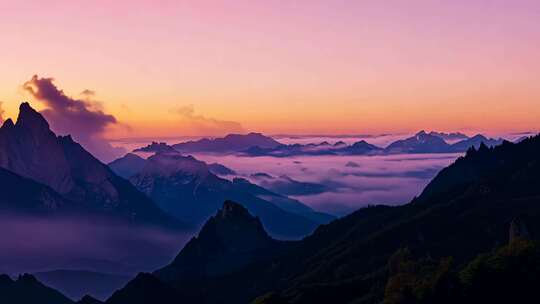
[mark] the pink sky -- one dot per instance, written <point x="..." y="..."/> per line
<point x="283" y="66"/>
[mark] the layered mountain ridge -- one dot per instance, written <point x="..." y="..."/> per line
<point x="186" y="188"/>
<point x="256" y="144"/>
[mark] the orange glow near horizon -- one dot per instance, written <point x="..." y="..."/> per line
<point x="302" y="67"/>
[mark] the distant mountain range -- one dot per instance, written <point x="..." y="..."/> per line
<point x="449" y="136"/>
<point x="188" y="189"/>
<point x="155" y="147"/>
<point x="229" y="143"/>
<point x="256" y="144"/>
<point x="423" y="142"/>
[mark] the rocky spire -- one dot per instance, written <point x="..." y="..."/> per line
<point x="236" y="228"/>
<point x="32" y="121"/>
<point x="30" y="117"/>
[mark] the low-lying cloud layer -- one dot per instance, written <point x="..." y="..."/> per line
<point x="82" y="118"/>
<point x="32" y="244"/>
<point x="341" y="184"/>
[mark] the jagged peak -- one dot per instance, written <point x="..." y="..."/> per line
<point x="88" y="300"/>
<point x="483" y="147"/>
<point x="132" y="156"/>
<point x="4" y="278"/>
<point x="361" y="143"/>
<point x="235" y="228"/>
<point x="30" y="118"/>
<point x="67" y="138"/>
<point x="27" y="278"/>
<point x="232" y="209"/>
<point x="479" y="136"/>
<point x="8" y="124"/>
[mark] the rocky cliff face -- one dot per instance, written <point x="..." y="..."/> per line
<point x="30" y="149"/>
<point x="23" y="195"/>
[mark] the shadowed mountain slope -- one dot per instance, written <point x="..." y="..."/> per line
<point x="184" y="187"/>
<point x="77" y="283"/>
<point x="27" y="290"/>
<point x="30" y="149"/>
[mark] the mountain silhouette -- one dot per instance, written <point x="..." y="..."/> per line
<point x="77" y="283"/>
<point x="475" y="142"/>
<point x="26" y="289"/>
<point x="256" y="144"/>
<point x="187" y="189"/>
<point x="30" y="149"/>
<point x="434" y="142"/>
<point x="221" y="170"/>
<point x="128" y="165"/>
<point x="155" y="147"/>
<point x="25" y="196"/>
<point x="227" y="144"/>
<point x="449" y="136"/>
<point x="422" y="142"/>
<point x="230" y="240"/>
<point x="324" y="148"/>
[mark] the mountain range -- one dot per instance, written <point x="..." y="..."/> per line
<point x="453" y="136"/>
<point x="229" y="143"/>
<point x="186" y="188"/>
<point x="256" y="144"/>
<point x="75" y="284"/>
<point x="423" y="142"/>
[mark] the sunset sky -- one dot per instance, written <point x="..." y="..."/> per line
<point x="170" y="68"/>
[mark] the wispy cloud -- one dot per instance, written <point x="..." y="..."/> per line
<point x="206" y="125"/>
<point x="83" y="118"/>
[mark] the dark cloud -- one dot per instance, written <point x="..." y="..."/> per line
<point x="352" y="164"/>
<point x="261" y="175"/>
<point x="88" y="93"/>
<point x="82" y="118"/>
<point x="207" y="125"/>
